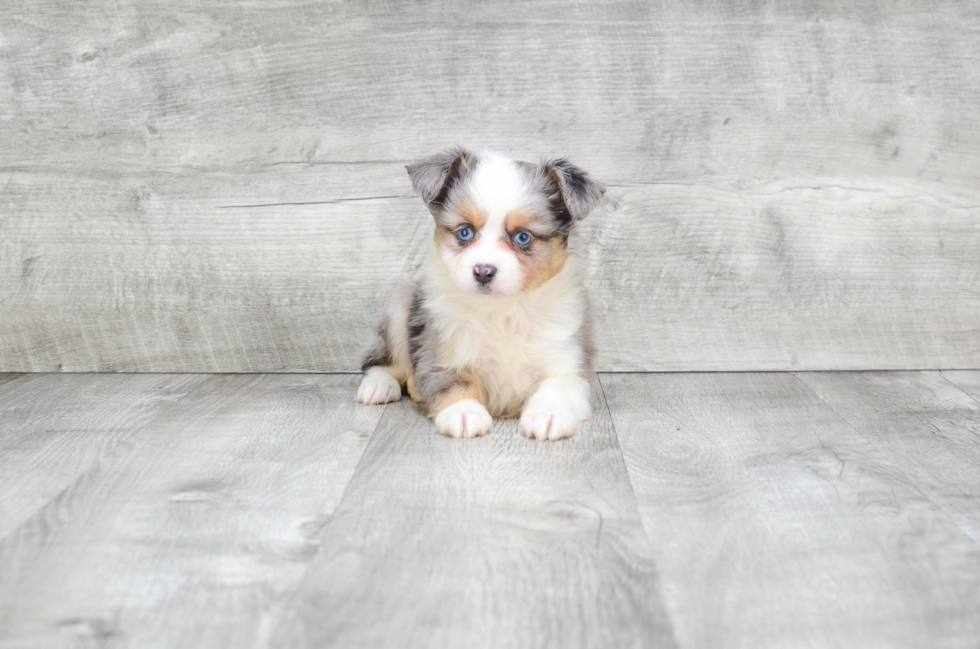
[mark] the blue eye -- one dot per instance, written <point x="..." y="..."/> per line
<point x="465" y="233"/>
<point x="522" y="238"/>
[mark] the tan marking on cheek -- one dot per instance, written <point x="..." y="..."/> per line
<point x="473" y="215"/>
<point x="543" y="263"/>
<point x="470" y="389"/>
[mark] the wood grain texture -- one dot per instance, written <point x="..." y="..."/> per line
<point x="196" y="532"/>
<point x="219" y="187"/>
<point x="774" y="522"/>
<point x="924" y="423"/>
<point x="822" y="275"/>
<point x="499" y="542"/>
<point x="773" y="276"/>
<point x="55" y="427"/>
<point x="642" y="91"/>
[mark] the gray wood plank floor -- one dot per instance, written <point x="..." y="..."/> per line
<point x="56" y="427"/>
<point x="694" y="510"/>
<point x="503" y="542"/>
<point x="775" y="520"/>
<point x="195" y="533"/>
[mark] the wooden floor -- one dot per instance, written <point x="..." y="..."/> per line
<point x="694" y="510"/>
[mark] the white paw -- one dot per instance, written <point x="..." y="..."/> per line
<point x="548" y="424"/>
<point x="466" y="418"/>
<point x="378" y="387"/>
<point x="556" y="409"/>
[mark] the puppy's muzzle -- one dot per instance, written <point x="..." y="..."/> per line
<point x="484" y="274"/>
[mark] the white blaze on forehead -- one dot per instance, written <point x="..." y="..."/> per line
<point x="496" y="186"/>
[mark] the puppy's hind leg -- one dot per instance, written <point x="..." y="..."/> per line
<point x="378" y="386"/>
<point x="382" y="382"/>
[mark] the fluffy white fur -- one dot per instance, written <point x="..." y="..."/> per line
<point x="497" y="188"/>
<point x="512" y="344"/>
<point x="524" y="348"/>
<point x="378" y="386"/>
<point x="556" y="409"/>
<point x="466" y="418"/>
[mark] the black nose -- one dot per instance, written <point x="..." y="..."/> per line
<point x="484" y="274"/>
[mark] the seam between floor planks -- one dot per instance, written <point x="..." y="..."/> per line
<point x="933" y="498"/>
<point x="290" y="603"/>
<point x="99" y="444"/>
<point x="362" y="460"/>
<point x="969" y="393"/>
<point x="971" y="528"/>
<point x="142" y="472"/>
<point x="397" y="553"/>
<point x="110" y="452"/>
<point x="748" y="489"/>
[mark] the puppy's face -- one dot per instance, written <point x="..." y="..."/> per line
<point x="502" y="226"/>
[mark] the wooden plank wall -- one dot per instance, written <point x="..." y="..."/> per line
<point x="213" y="186"/>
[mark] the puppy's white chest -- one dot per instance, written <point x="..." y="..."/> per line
<point x="485" y="341"/>
<point x="504" y="352"/>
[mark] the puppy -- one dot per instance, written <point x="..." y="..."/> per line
<point x="498" y="324"/>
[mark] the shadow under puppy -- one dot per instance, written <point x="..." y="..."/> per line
<point x="498" y="323"/>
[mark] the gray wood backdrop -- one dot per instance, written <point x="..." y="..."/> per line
<point x="219" y="186"/>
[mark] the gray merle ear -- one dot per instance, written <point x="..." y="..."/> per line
<point x="576" y="193"/>
<point x="434" y="176"/>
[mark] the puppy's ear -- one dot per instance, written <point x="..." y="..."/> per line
<point x="577" y="192"/>
<point x="434" y="176"/>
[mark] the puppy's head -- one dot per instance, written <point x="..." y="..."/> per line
<point x="502" y="225"/>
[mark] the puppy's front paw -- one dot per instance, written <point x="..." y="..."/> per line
<point x="466" y="418"/>
<point x="378" y="387"/>
<point x="548" y="424"/>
